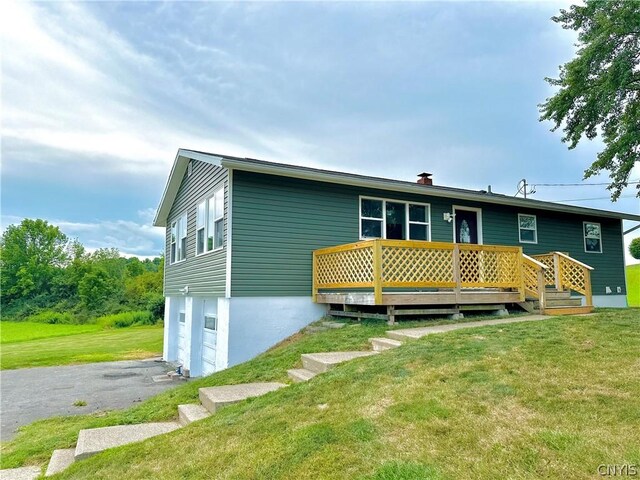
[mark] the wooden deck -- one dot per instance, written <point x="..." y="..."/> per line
<point x="390" y="273"/>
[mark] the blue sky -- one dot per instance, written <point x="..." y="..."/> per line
<point x="97" y="97"/>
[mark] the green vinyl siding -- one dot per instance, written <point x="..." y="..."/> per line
<point x="204" y="274"/>
<point x="279" y="221"/>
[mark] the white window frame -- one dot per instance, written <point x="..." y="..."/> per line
<point x="584" y="237"/>
<point x="176" y="224"/>
<point x="384" y="217"/>
<point x="535" y="228"/>
<point x="207" y="227"/>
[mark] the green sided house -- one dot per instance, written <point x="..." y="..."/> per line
<point x="257" y="250"/>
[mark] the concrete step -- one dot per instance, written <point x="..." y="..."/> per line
<point x="321" y="362"/>
<point x="333" y="324"/>
<point x="568" y="310"/>
<point x="95" y="440"/>
<point x="300" y="374"/>
<point x="419" y="332"/>
<point x="191" y="412"/>
<point x="213" y="398"/>
<point x="382" y="344"/>
<point x="60" y="461"/>
<point x="22" y="473"/>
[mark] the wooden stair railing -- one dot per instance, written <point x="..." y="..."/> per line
<point x="534" y="279"/>
<point x="567" y="273"/>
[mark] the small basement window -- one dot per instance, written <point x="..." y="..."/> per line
<point x="211" y="322"/>
<point x="592" y="237"/>
<point x="528" y="228"/>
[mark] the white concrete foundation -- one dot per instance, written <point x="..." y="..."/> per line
<point x="614" y="301"/>
<point x="258" y="323"/>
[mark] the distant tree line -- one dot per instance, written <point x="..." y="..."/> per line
<point x="43" y="269"/>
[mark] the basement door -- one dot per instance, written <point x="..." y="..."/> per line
<point x="209" y="338"/>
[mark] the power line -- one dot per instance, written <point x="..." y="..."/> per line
<point x="634" y="182"/>
<point x="594" y="198"/>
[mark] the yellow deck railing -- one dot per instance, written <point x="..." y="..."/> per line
<point x="566" y="273"/>
<point x="380" y="264"/>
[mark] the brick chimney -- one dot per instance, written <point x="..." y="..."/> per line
<point x="425" y="178"/>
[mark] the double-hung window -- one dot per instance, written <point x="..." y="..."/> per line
<point x="178" y="239"/>
<point x="210" y="223"/>
<point x="528" y="228"/>
<point x="592" y="237"/>
<point x="381" y="218"/>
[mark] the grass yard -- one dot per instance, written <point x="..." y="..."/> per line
<point x="38" y="345"/>
<point x="11" y="332"/>
<point x="548" y="399"/>
<point x="633" y="284"/>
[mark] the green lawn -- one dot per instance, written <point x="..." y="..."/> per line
<point x="548" y="399"/>
<point x="633" y="284"/>
<point x="11" y="332"/>
<point x="95" y="346"/>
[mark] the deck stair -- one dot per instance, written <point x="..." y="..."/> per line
<point x="560" y="302"/>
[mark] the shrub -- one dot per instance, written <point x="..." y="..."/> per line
<point x="49" y="316"/>
<point x="634" y="248"/>
<point x="155" y="304"/>
<point x="127" y="319"/>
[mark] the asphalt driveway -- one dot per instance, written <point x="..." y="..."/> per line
<point x="31" y="394"/>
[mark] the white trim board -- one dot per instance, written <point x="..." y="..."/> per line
<point x="227" y="283"/>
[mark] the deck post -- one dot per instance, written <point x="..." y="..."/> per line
<point x="522" y="287"/>
<point x="391" y="313"/>
<point x="556" y="271"/>
<point x="587" y="287"/>
<point x="377" y="271"/>
<point x="314" y="287"/>
<point x="541" y="290"/>
<point x="456" y="271"/>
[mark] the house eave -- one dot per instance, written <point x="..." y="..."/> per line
<point x="178" y="170"/>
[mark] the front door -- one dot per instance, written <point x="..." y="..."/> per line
<point x="466" y="226"/>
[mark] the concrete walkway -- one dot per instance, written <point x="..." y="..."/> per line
<point x="419" y="332"/>
<point x="30" y="394"/>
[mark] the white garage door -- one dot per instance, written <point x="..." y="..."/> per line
<point x="209" y="341"/>
<point x="182" y="331"/>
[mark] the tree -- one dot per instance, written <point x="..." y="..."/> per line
<point x="634" y="248"/>
<point x="95" y="289"/>
<point x="600" y="88"/>
<point x="32" y="254"/>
